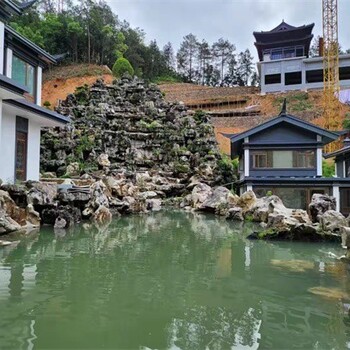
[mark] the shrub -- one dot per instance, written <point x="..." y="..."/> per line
<point x="47" y="104"/>
<point x="122" y="66"/>
<point x="328" y="169"/>
<point x="346" y="122"/>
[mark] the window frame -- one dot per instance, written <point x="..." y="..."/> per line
<point x="296" y="154"/>
<point x="30" y="63"/>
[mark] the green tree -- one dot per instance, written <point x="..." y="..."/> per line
<point x="122" y="66"/>
<point x="245" y="67"/>
<point x="186" y="56"/>
<point x="168" y="53"/>
<point x="223" y="51"/>
<point x="204" y="57"/>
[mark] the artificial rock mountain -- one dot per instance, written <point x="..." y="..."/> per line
<point x="129" y="127"/>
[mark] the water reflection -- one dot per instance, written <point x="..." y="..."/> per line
<point x="170" y="280"/>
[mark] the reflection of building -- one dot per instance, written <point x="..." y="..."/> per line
<point x="284" y="156"/>
<point x="21" y="116"/>
<point x="284" y="62"/>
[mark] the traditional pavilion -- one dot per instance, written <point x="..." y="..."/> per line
<point x="284" y="62"/>
<point x="284" y="41"/>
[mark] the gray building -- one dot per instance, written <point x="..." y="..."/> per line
<point x="283" y="156"/>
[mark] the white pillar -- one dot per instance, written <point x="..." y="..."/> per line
<point x="246" y="158"/>
<point x="344" y="169"/>
<point x="319" y="162"/>
<point x="283" y="77"/>
<point x="2" y="46"/>
<point x="303" y="77"/>
<point x="9" y="56"/>
<point x="336" y="195"/>
<point x="0" y="126"/>
<point x="39" y="75"/>
<point x="249" y="188"/>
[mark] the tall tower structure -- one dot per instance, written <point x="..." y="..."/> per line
<point x="331" y="116"/>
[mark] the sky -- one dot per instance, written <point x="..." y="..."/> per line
<point x="235" y="20"/>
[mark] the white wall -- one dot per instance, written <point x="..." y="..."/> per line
<point x="296" y="64"/>
<point x="2" y="46"/>
<point x="7" y="148"/>
<point x="33" y="163"/>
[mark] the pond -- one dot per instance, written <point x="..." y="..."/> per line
<point x="171" y="280"/>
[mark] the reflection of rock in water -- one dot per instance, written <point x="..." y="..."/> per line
<point x="329" y="293"/>
<point x="293" y="265"/>
<point x="207" y="328"/>
<point x="224" y="263"/>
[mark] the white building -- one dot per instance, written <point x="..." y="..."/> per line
<point x="284" y="62"/>
<point x="21" y="114"/>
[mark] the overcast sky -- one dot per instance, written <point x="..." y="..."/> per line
<point x="171" y="20"/>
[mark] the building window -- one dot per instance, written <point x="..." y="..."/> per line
<point x="304" y="159"/>
<point x="272" y="79"/>
<point x="23" y="73"/>
<point x="283" y="159"/>
<point x="285" y="52"/>
<point x="295" y="198"/>
<point x="344" y="73"/>
<point x="314" y="76"/>
<point x="260" y="160"/>
<point x="293" y="78"/>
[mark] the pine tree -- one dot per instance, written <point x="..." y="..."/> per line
<point x="169" y="56"/>
<point x="223" y="50"/>
<point x="186" y="56"/>
<point x="245" y="67"/>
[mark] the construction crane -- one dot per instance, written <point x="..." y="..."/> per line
<point x="331" y="107"/>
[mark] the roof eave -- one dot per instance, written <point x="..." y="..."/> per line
<point x="332" y="136"/>
<point x="42" y="54"/>
<point x="26" y="105"/>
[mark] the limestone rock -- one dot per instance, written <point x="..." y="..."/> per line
<point x="220" y="197"/>
<point x="148" y="195"/>
<point x="200" y="194"/>
<point x="103" y="160"/>
<point x="235" y="213"/>
<point x="320" y="203"/>
<point x="102" y="215"/>
<point x="73" y="169"/>
<point x="247" y="200"/>
<point x="32" y="216"/>
<point x="70" y="214"/>
<point x="154" y="204"/>
<point x="42" y="194"/>
<point x="98" y="195"/>
<point x="61" y="223"/>
<point x="332" y="221"/>
<point x="7" y="203"/>
<point x="7" y="224"/>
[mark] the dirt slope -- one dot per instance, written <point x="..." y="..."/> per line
<point x="62" y="81"/>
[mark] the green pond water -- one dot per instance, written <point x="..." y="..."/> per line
<point x="171" y="280"/>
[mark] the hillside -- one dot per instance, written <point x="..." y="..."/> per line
<point x="239" y="108"/>
<point x="62" y="81"/>
<point x="232" y="109"/>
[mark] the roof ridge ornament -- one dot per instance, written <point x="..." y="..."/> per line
<point x="284" y="107"/>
